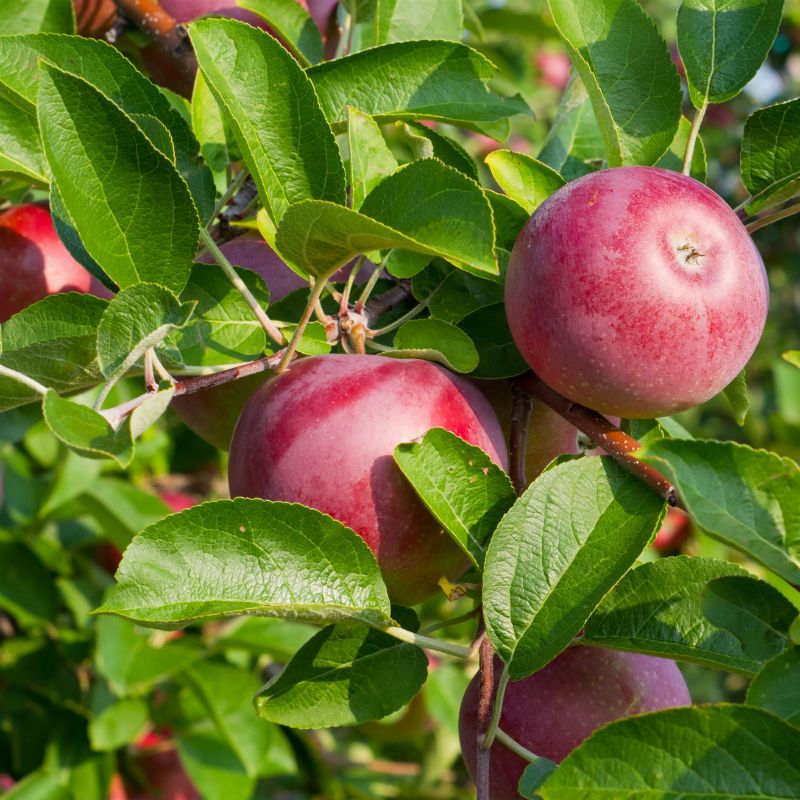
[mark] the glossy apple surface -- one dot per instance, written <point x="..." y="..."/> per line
<point x="34" y="263"/>
<point x="551" y="712"/>
<point x="323" y="434"/>
<point x="636" y="291"/>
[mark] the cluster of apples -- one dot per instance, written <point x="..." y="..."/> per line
<point x="635" y="291"/>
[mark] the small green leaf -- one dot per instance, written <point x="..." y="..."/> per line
<point x="211" y="127"/>
<point x="118" y="724"/>
<point x="574" y="533"/>
<point x="36" y="16"/>
<point x="210" y="762"/>
<point x="27" y="590"/>
<point x="792" y="357"/>
<point x="227" y="693"/>
<point x="498" y="355"/>
<point x="271" y="105"/>
<point x="279" y="559"/>
<point x="54" y="342"/>
<point x="427" y="143"/>
<point x="776" y="688"/>
<point x="313" y="342"/>
<point x="85" y="431"/>
<point x="534" y="776"/>
<point x="150" y="410"/>
<point x="436" y="340"/>
<point x="137" y="319"/>
<point x="524" y="179"/>
<point x="98" y="172"/>
<point x="223" y="328"/>
<point x="294" y="26"/>
<point x="736" y="395"/>
<point x="673" y="158"/>
<point x="770" y="155"/>
<point x="132" y="664"/>
<point x="371" y="160"/>
<point x="697" y="609"/>
<point x="20" y="148"/>
<point x="747" y="498"/>
<point x="635" y="90"/>
<point x="460" y="485"/>
<point x="722" y="44"/>
<point x="39" y="785"/>
<point x="723" y="752"/>
<point x="454" y="293"/>
<point x="345" y="675"/>
<point x="434" y="80"/>
<point x="382" y="21"/>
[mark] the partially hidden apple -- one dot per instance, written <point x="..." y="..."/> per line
<point x="551" y="712"/>
<point x="675" y="530"/>
<point x="323" y="434"/>
<point x="34" y="262"/>
<point x="94" y="17"/>
<point x="636" y="291"/>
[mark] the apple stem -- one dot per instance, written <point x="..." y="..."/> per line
<point x="148" y="16"/>
<point x="437" y="626"/>
<point x="521" y="407"/>
<point x="693" y="134"/>
<point x="267" y="324"/>
<point x="615" y="442"/>
<point x="344" y="299"/>
<point x="289" y="352"/>
<point x="426" y="642"/>
<point x="233" y="187"/>
<point x="768" y="219"/>
<point x="370" y="285"/>
<point x="515" y="747"/>
<point x="150" y="382"/>
<point x="24" y="379"/>
<point x="163" y="374"/>
<point x="418" y="309"/>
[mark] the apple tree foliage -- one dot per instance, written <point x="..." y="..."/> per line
<point x="137" y="176"/>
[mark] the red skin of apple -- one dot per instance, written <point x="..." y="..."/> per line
<point x="636" y="291"/>
<point x="551" y="712"/>
<point x="554" y="68"/>
<point x="94" y="17"/>
<point x="674" y="531"/>
<point x="323" y="434"/>
<point x="34" y="263"/>
<point x="187" y="10"/>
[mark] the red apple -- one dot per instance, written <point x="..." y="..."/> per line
<point x="185" y="11"/>
<point x="34" y="263"/>
<point x="674" y="531"/>
<point x="636" y="291"/>
<point x="551" y="712"/>
<point x="554" y="67"/>
<point x="178" y="501"/>
<point x="94" y="17"/>
<point x="323" y="434"/>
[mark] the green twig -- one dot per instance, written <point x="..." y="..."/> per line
<point x="426" y="642"/>
<point x="693" y="134"/>
<point x="233" y="187"/>
<point x="497" y="710"/>
<point x="515" y="747"/>
<point x="24" y="379"/>
<point x="316" y="293"/>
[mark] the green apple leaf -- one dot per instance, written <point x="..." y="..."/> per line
<point x="346" y="674"/>
<point x="722" y="44"/>
<point x="138" y="319"/>
<point x="294" y="26"/>
<point x="223" y="328"/>
<point x="425" y="206"/>
<point x="435" y="340"/>
<point x="272" y="108"/>
<point x="574" y="145"/>
<point x="576" y="531"/>
<point x="498" y="356"/>
<point x="776" y="688"/>
<point x="37" y="16"/>
<point x="27" y="590"/>
<point x="635" y="90"/>
<point x="112" y="74"/>
<point x="724" y="752"/>
<point x="792" y="357"/>
<point x="382" y="21"/>
<point x="210" y="126"/>
<point x="770" y="155"/>
<point x="132" y="664"/>
<point x="747" y="498"/>
<point x="118" y="724"/>
<point x="40" y="785"/>
<point x="86" y="431"/>
<point x="460" y="485"/>
<point x="696" y="609"/>
<point x="673" y="158"/>
<point x="534" y="776"/>
<point x="279" y="559"/>
<point x="371" y="160"/>
<point x="98" y="173"/>
<point x="452" y="294"/>
<point x="210" y="762"/>
<point x="54" y="342"/>
<point x="524" y="179"/>
<point x="736" y="395"/>
<point x="227" y="694"/>
<point x="428" y="143"/>
<point x="20" y="149"/>
<point x="445" y="81"/>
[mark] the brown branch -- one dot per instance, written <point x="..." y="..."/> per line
<point x="787" y="210"/>
<point x="378" y="306"/>
<point x="485" y="699"/>
<point x="521" y="407"/>
<point x="164" y="30"/>
<point x="615" y="442"/>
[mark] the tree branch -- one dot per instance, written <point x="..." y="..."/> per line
<point x="615" y="442"/>
<point x="164" y="30"/>
<point x="483" y="768"/>
<point x="390" y="299"/>
<point x="521" y="407"/>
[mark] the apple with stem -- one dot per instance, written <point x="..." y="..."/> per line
<point x="34" y="263"/>
<point x="323" y="434"/>
<point x="636" y="291"/>
<point x="552" y="711"/>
